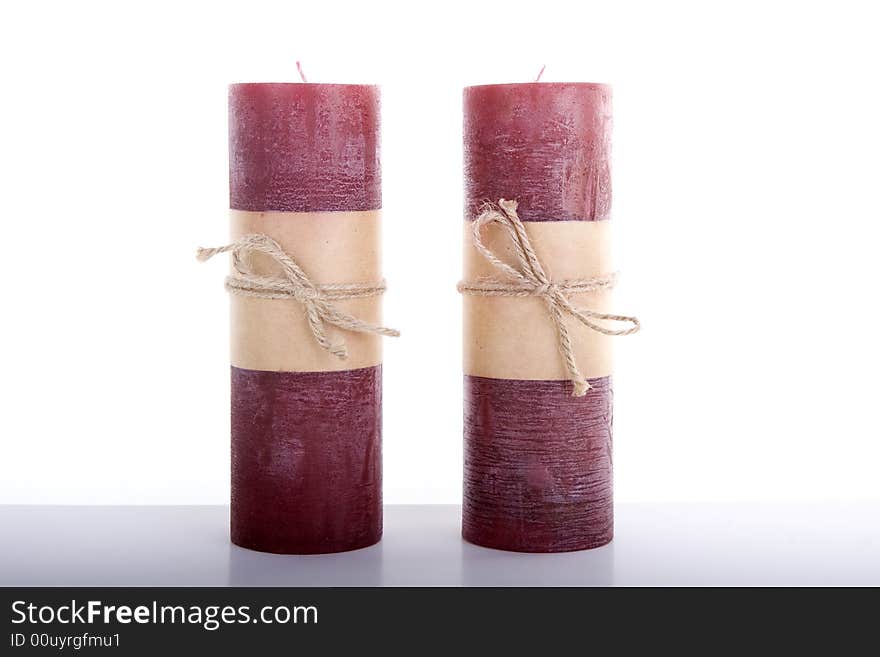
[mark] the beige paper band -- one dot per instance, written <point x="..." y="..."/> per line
<point x="330" y="247"/>
<point x="513" y="337"/>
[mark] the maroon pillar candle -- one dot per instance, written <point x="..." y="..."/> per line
<point x="306" y="427"/>
<point x="537" y="461"/>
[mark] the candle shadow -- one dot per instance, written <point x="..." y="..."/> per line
<point x="355" y="568"/>
<point x="487" y="567"/>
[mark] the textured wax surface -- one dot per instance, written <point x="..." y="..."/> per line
<point x="537" y="465"/>
<point x="304" y="147"/>
<point x="545" y="145"/>
<point x="306" y="460"/>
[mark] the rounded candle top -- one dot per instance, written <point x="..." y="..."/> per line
<point x="304" y="147"/>
<point x="546" y="145"/>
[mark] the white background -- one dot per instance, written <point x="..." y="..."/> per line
<point x="746" y="211"/>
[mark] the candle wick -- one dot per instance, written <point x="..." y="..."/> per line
<point x="301" y="74"/>
<point x="540" y="73"/>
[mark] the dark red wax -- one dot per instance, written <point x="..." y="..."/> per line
<point x="306" y="446"/>
<point x="304" y="147"/>
<point x="537" y="461"/>
<point x="306" y="460"/>
<point x="546" y="145"/>
<point x="537" y="465"/>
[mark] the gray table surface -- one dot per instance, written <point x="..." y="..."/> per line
<point x="655" y="544"/>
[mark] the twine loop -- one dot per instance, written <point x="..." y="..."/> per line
<point x="294" y="284"/>
<point x="529" y="279"/>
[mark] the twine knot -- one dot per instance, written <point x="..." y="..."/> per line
<point x="529" y="279"/>
<point x="294" y="284"/>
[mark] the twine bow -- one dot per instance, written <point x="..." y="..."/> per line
<point x="530" y="280"/>
<point x="294" y="284"/>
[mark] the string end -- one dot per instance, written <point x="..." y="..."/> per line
<point x="581" y="386"/>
